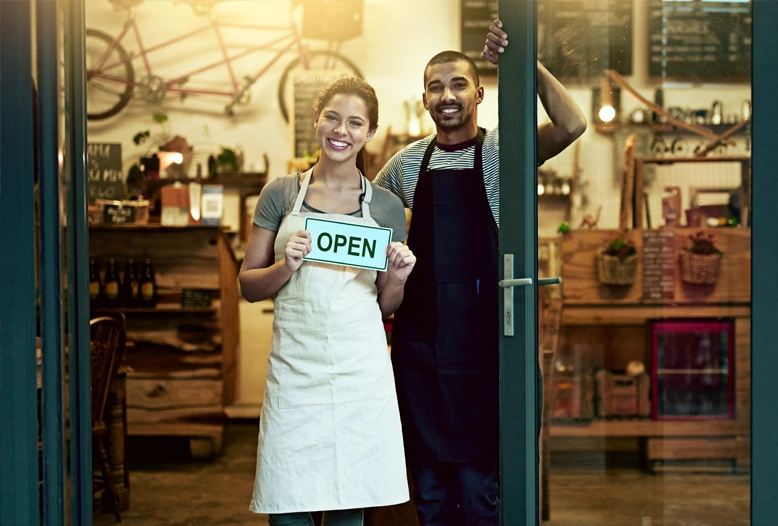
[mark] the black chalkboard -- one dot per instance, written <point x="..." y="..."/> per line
<point x="477" y="16"/>
<point x="581" y="38"/>
<point x="700" y="39"/>
<point x="118" y="214"/>
<point x="307" y="85"/>
<point x="658" y="264"/>
<point x="104" y="164"/>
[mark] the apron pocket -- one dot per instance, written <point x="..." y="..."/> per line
<point x="301" y="362"/>
<point x="332" y="369"/>
<point x="467" y="312"/>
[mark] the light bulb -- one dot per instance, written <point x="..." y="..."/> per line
<point x="607" y="113"/>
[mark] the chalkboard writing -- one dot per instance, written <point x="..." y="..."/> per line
<point x="477" y="16"/>
<point x="118" y="214"/>
<point x="104" y="163"/>
<point x="581" y="38"/>
<point x="307" y="85"/>
<point x="700" y="39"/>
<point x="658" y="264"/>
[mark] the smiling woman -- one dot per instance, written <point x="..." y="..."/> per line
<point x="330" y="436"/>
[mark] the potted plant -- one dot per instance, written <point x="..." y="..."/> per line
<point x="617" y="262"/>
<point x="701" y="262"/>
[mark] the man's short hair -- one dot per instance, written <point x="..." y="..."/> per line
<point x="444" y="57"/>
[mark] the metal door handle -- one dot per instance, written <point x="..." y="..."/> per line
<point x="507" y="283"/>
<point x="528" y="281"/>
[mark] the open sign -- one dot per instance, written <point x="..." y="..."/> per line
<point x="348" y="244"/>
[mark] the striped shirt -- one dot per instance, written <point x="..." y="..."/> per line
<point x="401" y="173"/>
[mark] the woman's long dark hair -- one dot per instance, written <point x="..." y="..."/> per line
<point x="363" y="90"/>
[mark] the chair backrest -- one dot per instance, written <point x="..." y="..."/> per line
<point x="108" y="344"/>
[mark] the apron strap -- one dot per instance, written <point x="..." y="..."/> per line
<point x="298" y="204"/>
<point x="366" y="197"/>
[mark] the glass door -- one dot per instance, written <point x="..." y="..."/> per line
<point x="651" y="382"/>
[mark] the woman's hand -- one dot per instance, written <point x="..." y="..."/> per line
<point x="401" y="261"/>
<point x="297" y="247"/>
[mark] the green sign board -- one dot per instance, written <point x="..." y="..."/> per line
<point x="348" y="244"/>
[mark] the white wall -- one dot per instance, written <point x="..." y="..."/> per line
<point x="399" y="37"/>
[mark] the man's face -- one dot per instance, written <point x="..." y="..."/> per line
<point x="450" y="94"/>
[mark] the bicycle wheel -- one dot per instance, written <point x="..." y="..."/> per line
<point x="316" y="60"/>
<point x="107" y="91"/>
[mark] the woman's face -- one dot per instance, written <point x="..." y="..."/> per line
<point x="342" y="127"/>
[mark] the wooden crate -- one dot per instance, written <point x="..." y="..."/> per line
<point x="622" y="394"/>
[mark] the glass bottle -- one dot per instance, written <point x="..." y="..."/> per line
<point x="112" y="284"/>
<point x="148" y="284"/>
<point x="96" y="289"/>
<point x="131" y="285"/>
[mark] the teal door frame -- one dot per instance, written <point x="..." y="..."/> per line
<point x="518" y="236"/>
<point x="29" y="153"/>
<point x="764" y="267"/>
<point x="518" y="240"/>
<point x="19" y="502"/>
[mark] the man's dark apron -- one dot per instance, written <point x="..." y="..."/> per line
<point x="445" y="340"/>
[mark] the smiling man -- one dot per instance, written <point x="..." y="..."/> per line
<point x="445" y="342"/>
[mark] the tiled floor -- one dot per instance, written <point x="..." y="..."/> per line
<point x="168" y="489"/>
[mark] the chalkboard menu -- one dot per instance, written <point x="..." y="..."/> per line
<point x="477" y="16"/>
<point x="104" y="163"/>
<point x="581" y="38"/>
<point x="307" y="85"/>
<point x="658" y="264"/>
<point x="700" y="39"/>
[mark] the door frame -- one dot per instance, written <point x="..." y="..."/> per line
<point x="519" y="239"/>
<point x="518" y="236"/>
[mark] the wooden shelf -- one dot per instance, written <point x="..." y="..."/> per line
<point x="718" y="129"/>
<point x="160" y="309"/>
<point x="649" y="428"/>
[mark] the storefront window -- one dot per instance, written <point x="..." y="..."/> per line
<point x="648" y="381"/>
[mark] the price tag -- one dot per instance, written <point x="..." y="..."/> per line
<point x="348" y="244"/>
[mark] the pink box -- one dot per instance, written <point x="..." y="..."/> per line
<point x="692" y="369"/>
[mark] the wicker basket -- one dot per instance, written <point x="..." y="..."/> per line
<point x="700" y="269"/>
<point x="141" y="210"/>
<point x="614" y="271"/>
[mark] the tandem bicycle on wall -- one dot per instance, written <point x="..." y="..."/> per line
<point x="113" y="80"/>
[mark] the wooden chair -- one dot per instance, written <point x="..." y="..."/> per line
<point x="108" y="344"/>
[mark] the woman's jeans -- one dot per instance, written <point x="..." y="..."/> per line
<point x="331" y="518"/>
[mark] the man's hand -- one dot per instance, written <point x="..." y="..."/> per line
<point x="401" y="261"/>
<point x="496" y="40"/>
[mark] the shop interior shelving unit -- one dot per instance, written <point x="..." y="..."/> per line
<point x="181" y="362"/>
<point x="616" y="318"/>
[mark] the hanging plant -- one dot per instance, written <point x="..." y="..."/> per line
<point x="701" y="261"/>
<point x="617" y="261"/>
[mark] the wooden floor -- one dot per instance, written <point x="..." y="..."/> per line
<point x="169" y="489"/>
<point x="622" y="497"/>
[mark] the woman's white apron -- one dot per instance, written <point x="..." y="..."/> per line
<point x="329" y="434"/>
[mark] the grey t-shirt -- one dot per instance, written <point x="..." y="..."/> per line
<point x="278" y="196"/>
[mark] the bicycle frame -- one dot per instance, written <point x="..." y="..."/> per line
<point x="288" y="41"/>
